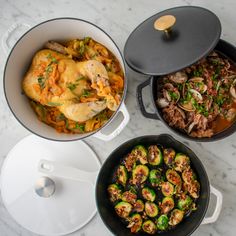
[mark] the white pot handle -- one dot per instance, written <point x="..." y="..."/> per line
<point x="57" y="169"/>
<point x="216" y="213"/>
<point x="8" y="34"/>
<point x="113" y="134"/>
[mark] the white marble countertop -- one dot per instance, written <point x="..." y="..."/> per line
<point x="119" y="18"/>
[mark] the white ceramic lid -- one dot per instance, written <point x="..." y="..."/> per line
<point x="70" y="207"/>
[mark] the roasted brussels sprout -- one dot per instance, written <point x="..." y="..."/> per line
<point x="151" y="209"/>
<point x="140" y="174"/>
<point x="139" y="206"/>
<point x="194" y="188"/>
<point x="169" y="156"/>
<point x="173" y="177"/>
<point x="123" y="209"/>
<point x="140" y="152"/>
<point x="154" y="155"/>
<point x="135" y="223"/>
<point x="122" y="175"/>
<point x="181" y="162"/>
<point x="148" y="194"/>
<point x="129" y="196"/>
<point x="185" y="203"/>
<point x="167" y="204"/>
<point x="162" y="222"/>
<point x="149" y="227"/>
<point x="155" y="177"/>
<point x="130" y="161"/>
<point x="167" y="189"/>
<point x="176" y="217"/>
<point x="114" y="192"/>
<point x="188" y="175"/>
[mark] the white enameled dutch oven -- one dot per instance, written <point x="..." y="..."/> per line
<point x="19" y="60"/>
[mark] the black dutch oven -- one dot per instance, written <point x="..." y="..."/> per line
<point x="190" y="223"/>
<point x="194" y="35"/>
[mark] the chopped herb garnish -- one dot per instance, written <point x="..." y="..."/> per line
<point x="173" y="95"/>
<point x="54" y="104"/>
<point x="41" y="82"/>
<point x="81" y="48"/>
<point x="86" y="93"/>
<point x="80" y="78"/>
<point x="72" y="86"/>
<point x="48" y="69"/>
<point x="53" y="59"/>
<point x="81" y="127"/>
<point x="86" y="40"/>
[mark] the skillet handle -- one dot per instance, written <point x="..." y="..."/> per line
<point x="140" y="100"/>
<point x="121" y="126"/>
<point x="216" y="213"/>
<point x="11" y="33"/>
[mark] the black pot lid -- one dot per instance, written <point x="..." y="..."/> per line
<point x="164" y="49"/>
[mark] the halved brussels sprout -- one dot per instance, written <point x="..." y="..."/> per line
<point x="139" y="206"/>
<point x="169" y="156"/>
<point x="151" y="209"/>
<point x="167" y="204"/>
<point x="185" y="203"/>
<point x="140" y="152"/>
<point x="188" y="175"/>
<point x="148" y="194"/>
<point x="155" y="177"/>
<point x="176" y="217"/>
<point x="130" y="161"/>
<point x="173" y="177"/>
<point x="140" y="174"/>
<point x="123" y="209"/>
<point x="149" y="227"/>
<point x="154" y="155"/>
<point x="167" y="189"/>
<point x="129" y="196"/>
<point x="114" y="192"/>
<point x="135" y="223"/>
<point x="181" y="162"/>
<point x="122" y="175"/>
<point x="194" y="188"/>
<point x="162" y="222"/>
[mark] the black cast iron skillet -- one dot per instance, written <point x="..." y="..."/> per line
<point x="106" y="210"/>
<point x="225" y="49"/>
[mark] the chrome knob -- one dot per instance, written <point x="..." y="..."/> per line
<point x="45" y="187"/>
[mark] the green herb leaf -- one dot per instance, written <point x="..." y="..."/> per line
<point x="53" y="59"/>
<point x="81" y="48"/>
<point x="86" y="93"/>
<point x="86" y="40"/>
<point x="41" y="82"/>
<point x="80" y="78"/>
<point x="81" y="127"/>
<point x="71" y="86"/>
<point x="54" y="104"/>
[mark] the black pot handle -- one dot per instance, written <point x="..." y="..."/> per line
<point x="140" y="100"/>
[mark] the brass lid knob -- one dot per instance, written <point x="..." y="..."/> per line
<point x="164" y="23"/>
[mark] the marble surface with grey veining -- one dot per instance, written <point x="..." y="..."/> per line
<point x="119" y="18"/>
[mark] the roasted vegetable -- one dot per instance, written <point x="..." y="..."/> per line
<point x="167" y="189"/>
<point x="181" y="162"/>
<point x="188" y="175"/>
<point x="141" y="154"/>
<point x="154" y="155"/>
<point x="185" y="203"/>
<point x="135" y="223"/>
<point x="155" y="177"/>
<point x="140" y="174"/>
<point x="139" y="206"/>
<point x="169" y="156"/>
<point x="130" y="161"/>
<point x="123" y="209"/>
<point x="193" y="188"/>
<point x="129" y="196"/>
<point x="176" y="217"/>
<point x="149" y="227"/>
<point x="173" y="177"/>
<point x="148" y="194"/>
<point x="122" y="175"/>
<point x="167" y="204"/>
<point x="151" y="209"/>
<point x="162" y="222"/>
<point x="114" y="192"/>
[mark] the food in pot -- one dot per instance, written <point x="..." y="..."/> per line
<point x="75" y="87"/>
<point x="151" y="195"/>
<point x="201" y="99"/>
